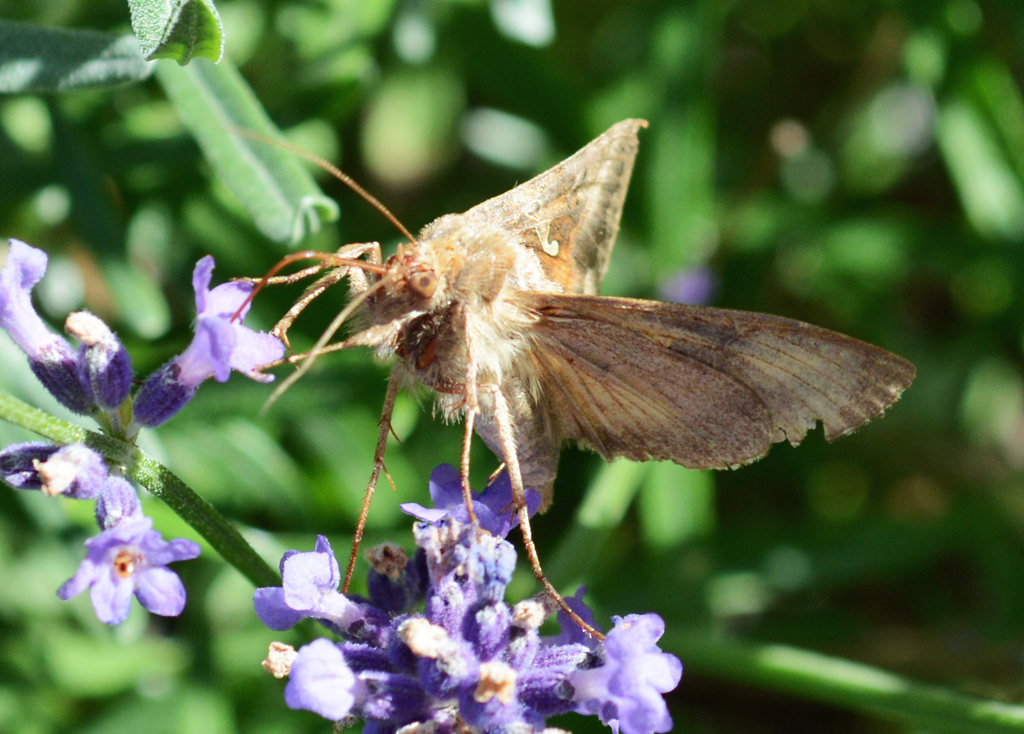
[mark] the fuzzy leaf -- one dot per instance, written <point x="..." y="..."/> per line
<point x="37" y="59"/>
<point x="215" y="103"/>
<point x="178" y="29"/>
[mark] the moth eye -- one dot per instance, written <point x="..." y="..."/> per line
<point x="425" y="284"/>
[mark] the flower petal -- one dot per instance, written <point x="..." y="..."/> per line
<point x="225" y="300"/>
<point x="272" y="609"/>
<point x="445" y="487"/>
<point x="421" y="513"/>
<point x="84" y="577"/>
<point x="160" y="591"/>
<point x="111" y="597"/>
<point x="202" y="274"/>
<point x="253" y="349"/>
<point x="321" y="682"/>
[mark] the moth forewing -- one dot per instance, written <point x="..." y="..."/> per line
<point x="569" y="215"/>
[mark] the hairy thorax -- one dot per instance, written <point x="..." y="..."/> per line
<point x="467" y="311"/>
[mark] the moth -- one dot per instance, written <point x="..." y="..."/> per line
<point x="497" y="311"/>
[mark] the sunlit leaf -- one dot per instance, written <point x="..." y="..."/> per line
<point x="1001" y="96"/>
<point x="178" y="29"/>
<point x="990" y="193"/>
<point x="218" y="106"/>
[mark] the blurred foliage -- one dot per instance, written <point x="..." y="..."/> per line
<point x="858" y="164"/>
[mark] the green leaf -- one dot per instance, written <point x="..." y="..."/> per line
<point x="676" y="504"/>
<point x="1001" y="97"/>
<point x="992" y="197"/>
<point x="218" y="107"/>
<point x="178" y="29"/>
<point x="36" y="59"/>
<point x="682" y="211"/>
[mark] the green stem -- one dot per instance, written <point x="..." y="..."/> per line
<point x="843" y="683"/>
<point x="193" y="509"/>
<point x="22" y="414"/>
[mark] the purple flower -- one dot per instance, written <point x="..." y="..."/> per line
<point x="467" y="661"/>
<point x="131" y="558"/>
<point x="53" y="361"/>
<point x="310" y="589"/>
<point x="221" y="344"/>
<point x="493" y="507"/>
<point x="321" y="682"/>
<point x="118" y="501"/>
<point x="107" y="364"/>
<point x="697" y="286"/>
<point x="18" y="463"/>
<point x="75" y="470"/>
<point x="626" y="692"/>
<point x="395" y="583"/>
<point x="572" y="632"/>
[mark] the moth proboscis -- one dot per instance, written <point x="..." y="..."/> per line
<point x="496" y="310"/>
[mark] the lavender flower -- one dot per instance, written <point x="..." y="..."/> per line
<point x="697" y="286"/>
<point x="467" y="661"/>
<point x="626" y="691"/>
<point x="18" y="463"/>
<point x="221" y="344"/>
<point x="310" y="590"/>
<point x="53" y="361"/>
<point x="131" y="558"/>
<point x="127" y="557"/>
<point x="107" y="365"/>
<point x="118" y="501"/>
<point x="396" y="583"/>
<point x="321" y="682"/>
<point x="572" y="632"/>
<point x="493" y="507"/>
<point x="75" y="470"/>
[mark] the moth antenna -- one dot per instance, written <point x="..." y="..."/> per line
<point x="331" y="169"/>
<point x="318" y="348"/>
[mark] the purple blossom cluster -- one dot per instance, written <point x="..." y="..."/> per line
<point x="127" y="557"/>
<point x="468" y="661"/>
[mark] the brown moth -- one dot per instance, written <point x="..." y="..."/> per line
<point x="496" y="310"/>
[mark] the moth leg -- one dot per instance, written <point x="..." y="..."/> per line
<point x="508" y="447"/>
<point x="285" y="279"/>
<point x="496" y="472"/>
<point x="357" y="278"/>
<point x="472" y="407"/>
<point x="378" y="466"/>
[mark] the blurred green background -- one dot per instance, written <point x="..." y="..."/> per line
<point x="858" y="164"/>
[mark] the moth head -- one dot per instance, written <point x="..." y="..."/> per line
<point x="423" y="283"/>
<point x="416" y="275"/>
